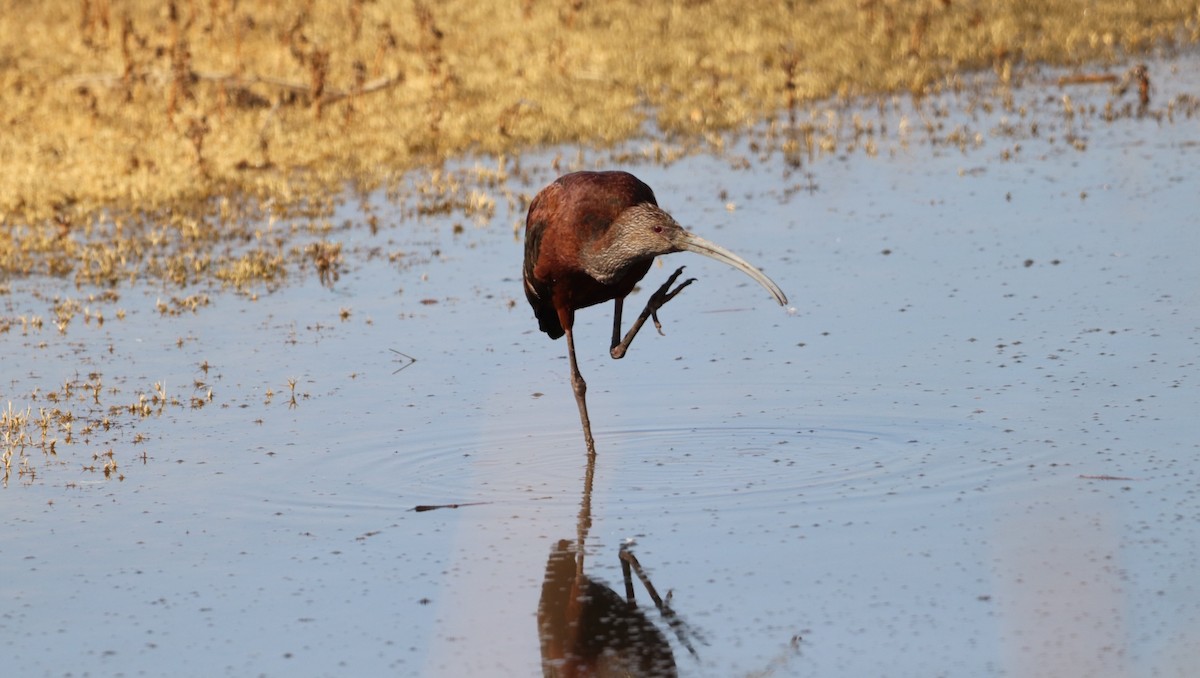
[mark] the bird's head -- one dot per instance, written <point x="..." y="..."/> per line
<point x="645" y="231"/>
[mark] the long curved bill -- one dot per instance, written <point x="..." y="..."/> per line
<point x="694" y="243"/>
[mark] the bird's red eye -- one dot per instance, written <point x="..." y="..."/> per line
<point x="658" y="229"/>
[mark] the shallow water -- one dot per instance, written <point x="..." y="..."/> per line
<point x="970" y="450"/>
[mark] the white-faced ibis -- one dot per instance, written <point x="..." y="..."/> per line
<point x="589" y="238"/>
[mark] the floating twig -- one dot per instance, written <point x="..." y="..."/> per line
<point x="430" y="507"/>
<point x="408" y="364"/>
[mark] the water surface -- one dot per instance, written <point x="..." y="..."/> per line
<point x="969" y="450"/>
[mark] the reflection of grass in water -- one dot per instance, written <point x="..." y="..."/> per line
<point x="74" y="415"/>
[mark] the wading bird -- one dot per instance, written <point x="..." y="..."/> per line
<point x="589" y="238"/>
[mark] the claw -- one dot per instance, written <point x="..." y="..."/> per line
<point x="661" y="296"/>
<point x="656" y="301"/>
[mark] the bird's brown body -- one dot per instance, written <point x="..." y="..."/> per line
<point x="589" y="238"/>
<point x="572" y="215"/>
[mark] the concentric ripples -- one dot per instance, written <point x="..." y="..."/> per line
<point x="689" y="468"/>
<point x="727" y="467"/>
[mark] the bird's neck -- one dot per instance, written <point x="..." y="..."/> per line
<point x="609" y="259"/>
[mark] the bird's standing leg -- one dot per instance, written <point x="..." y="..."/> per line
<point x="580" y="387"/>
<point x="661" y="296"/>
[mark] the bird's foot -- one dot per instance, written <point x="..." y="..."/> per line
<point x="664" y="294"/>
<point x="661" y="296"/>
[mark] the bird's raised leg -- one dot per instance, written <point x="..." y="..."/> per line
<point x="580" y="388"/>
<point x="661" y="296"/>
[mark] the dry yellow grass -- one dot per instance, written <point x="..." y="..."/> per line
<point x="113" y="110"/>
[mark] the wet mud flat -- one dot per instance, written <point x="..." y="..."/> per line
<point x="969" y="450"/>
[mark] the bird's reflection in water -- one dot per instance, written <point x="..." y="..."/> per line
<point x="586" y="628"/>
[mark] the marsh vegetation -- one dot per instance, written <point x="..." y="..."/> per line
<point x="199" y="116"/>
